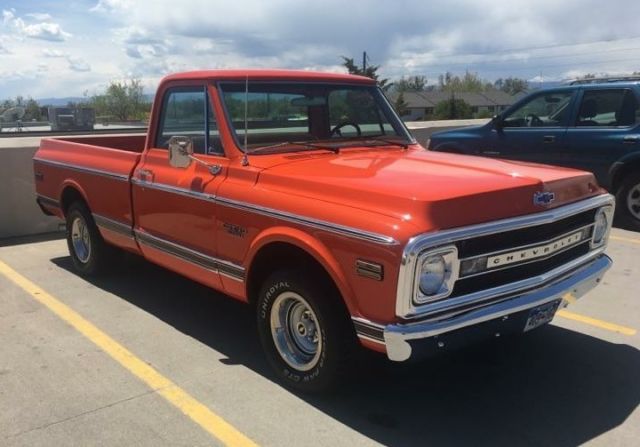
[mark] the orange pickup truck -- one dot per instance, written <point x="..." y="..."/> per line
<point x="304" y="195"/>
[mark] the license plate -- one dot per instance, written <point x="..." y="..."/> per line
<point x="541" y="315"/>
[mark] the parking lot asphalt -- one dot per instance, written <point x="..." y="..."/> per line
<point x="143" y="357"/>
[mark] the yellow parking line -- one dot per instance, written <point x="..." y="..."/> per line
<point x="597" y="323"/>
<point x="625" y="239"/>
<point x="195" y="410"/>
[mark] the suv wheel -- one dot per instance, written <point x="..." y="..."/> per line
<point x="628" y="198"/>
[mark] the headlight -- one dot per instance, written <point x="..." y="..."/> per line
<point x="601" y="226"/>
<point x="436" y="273"/>
<point x="432" y="274"/>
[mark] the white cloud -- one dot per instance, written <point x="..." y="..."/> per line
<point x="44" y="30"/>
<point x="110" y="5"/>
<point x="78" y="64"/>
<point x="41" y="16"/>
<point x="48" y="52"/>
<point x="4" y="49"/>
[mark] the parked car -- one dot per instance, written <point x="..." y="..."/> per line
<point x="336" y="226"/>
<point x="592" y="126"/>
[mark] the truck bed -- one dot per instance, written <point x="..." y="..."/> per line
<point x="99" y="167"/>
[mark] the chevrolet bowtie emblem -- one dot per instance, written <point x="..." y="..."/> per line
<point x="543" y="198"/>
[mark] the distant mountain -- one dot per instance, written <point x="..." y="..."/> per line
<point x="59" y="102"/>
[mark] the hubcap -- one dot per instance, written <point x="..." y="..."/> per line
<point x="633" y="201"/>
<point x="80" y="239"/>
<point x="295" y="331"/>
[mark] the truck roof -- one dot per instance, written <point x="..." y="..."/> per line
<point x="268" y="75"/>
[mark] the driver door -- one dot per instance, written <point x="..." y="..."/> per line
<point x="534" y="130"/>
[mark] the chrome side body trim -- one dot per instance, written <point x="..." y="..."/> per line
<point x="310" y="222"/>
<point x="572" y="286"/>
<point x="116" y="226"/>
<point x="283" y="215"/>
<point x="210" y="263"/>
<point x="48" y="201"/>
<point x="368" y="330"/>
<point x="416" y="245"/>
<point x="83" y="169"/>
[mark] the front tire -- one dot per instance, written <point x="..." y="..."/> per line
<point x="89" y="253"/>
<point x="305" y="331"/>
<point x="628" y="198"/>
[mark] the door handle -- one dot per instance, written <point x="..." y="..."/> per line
<point x="145" y="175"/>
<point x="490" y="153"/>
<point x="549" y="139"/>
<point x="631" y="139"/>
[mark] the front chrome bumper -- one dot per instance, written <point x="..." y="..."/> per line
<point x="398" y="338"/>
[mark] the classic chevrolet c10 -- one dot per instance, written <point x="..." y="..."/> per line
<point x="304" y="195"/>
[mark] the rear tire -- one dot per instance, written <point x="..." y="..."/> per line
<point x="305" y="331"/>
<point x="628" y="200"/>
<point x="89" y="253"/>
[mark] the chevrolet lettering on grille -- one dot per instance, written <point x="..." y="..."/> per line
<point x="532" y="253"/>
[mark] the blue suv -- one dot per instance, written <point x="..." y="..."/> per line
<point x="592" y="125"/>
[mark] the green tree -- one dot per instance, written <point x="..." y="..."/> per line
<point x="122" y="101"/>
<point x="401" y="105"/>
<point x="452" y="108"/>
<point x="371" y="71"/>
<point x="469" y="82"/>
<point x="411" y="84"/>
<point x="511" y="85"/>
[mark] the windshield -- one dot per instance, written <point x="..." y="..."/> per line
<point x="285" y="116"/>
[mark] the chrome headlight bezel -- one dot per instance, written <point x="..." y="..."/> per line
<point x="449" y="254"/>
<point x="602" y="223"/>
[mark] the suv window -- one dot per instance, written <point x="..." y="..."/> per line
<point x="184" y="113"/>
<point x="609" y="108"/>
<point x="544" y="110"/>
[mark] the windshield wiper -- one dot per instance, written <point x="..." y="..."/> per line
<point x="306" y="144"/>
<point x="401" y="144"/>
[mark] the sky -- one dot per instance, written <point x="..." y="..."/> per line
<point x="74" y="47"/>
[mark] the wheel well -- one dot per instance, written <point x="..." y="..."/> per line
<point x="288" y="256"/>
<point x="622" y="172"/>
<point x="69" y="196"/>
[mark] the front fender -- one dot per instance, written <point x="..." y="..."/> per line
<point x="311" y="245"/>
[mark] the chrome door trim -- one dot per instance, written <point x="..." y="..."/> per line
<point x="173" y="189"/>
<point x="83" y="169"/>
<point x="207" y="262"/>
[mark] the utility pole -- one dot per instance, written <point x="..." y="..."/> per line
<point x="364" y="63"/>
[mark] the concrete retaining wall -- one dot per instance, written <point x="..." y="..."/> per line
<point x="19" y="214"/>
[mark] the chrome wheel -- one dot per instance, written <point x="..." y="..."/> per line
<point x="81" y="240"/>
<point x="295" y="330"/>
<point x="633" y="201"/>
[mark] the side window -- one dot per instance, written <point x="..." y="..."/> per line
<point x="608" y="108"/>
<point x="544" y="110"/>
<point x="185" y="112"/>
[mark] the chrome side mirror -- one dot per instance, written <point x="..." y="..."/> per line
<point x="180" y="151"/>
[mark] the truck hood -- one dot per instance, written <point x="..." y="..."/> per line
<point x="437" y="190"/>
